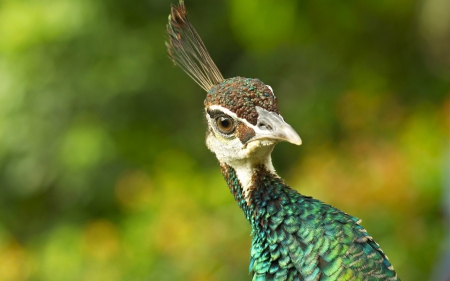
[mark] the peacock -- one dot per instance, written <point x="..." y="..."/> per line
<point x="294" y="237"/>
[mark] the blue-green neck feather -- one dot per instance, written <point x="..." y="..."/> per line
<point x="296" y="237"/>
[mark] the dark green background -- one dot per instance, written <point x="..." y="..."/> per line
<point x="104" y="174"/>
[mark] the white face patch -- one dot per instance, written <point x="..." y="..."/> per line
<point x="228" y="150"/>
<point x="243" y="158"/>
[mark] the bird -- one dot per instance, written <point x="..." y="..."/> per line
<point x="294" y="236"/>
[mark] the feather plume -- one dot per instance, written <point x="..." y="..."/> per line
<point x="186" y="49"/>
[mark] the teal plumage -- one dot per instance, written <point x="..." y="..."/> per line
<point x="295" y="237"/>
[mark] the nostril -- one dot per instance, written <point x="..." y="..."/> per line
<point x="264" y="126"/>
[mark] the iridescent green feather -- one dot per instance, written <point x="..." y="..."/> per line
<point x="299" y="238"/>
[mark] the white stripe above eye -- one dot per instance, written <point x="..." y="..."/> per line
<point x="230" y="113"/>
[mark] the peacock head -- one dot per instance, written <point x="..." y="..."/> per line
<point x="242" y="113"/>
<point x="243" y="120"/>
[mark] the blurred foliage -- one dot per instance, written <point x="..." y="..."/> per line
<point x="104" y="174"/>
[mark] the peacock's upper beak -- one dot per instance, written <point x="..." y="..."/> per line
<point x="272" y="126"/>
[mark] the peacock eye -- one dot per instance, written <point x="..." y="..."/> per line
<point x="225" y="124"/>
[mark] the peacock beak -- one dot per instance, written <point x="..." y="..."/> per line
<point x="272" y="126"/>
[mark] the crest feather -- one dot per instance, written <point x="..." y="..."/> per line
<point x="186" y="49"/>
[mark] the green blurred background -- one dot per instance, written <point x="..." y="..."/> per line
<point x="104" y="174"/>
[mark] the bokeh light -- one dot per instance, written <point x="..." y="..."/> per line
<point x="104" y="174"/>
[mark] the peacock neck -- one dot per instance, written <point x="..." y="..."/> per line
<point x="236" y="188"/>
<point x="252" y="197"/>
